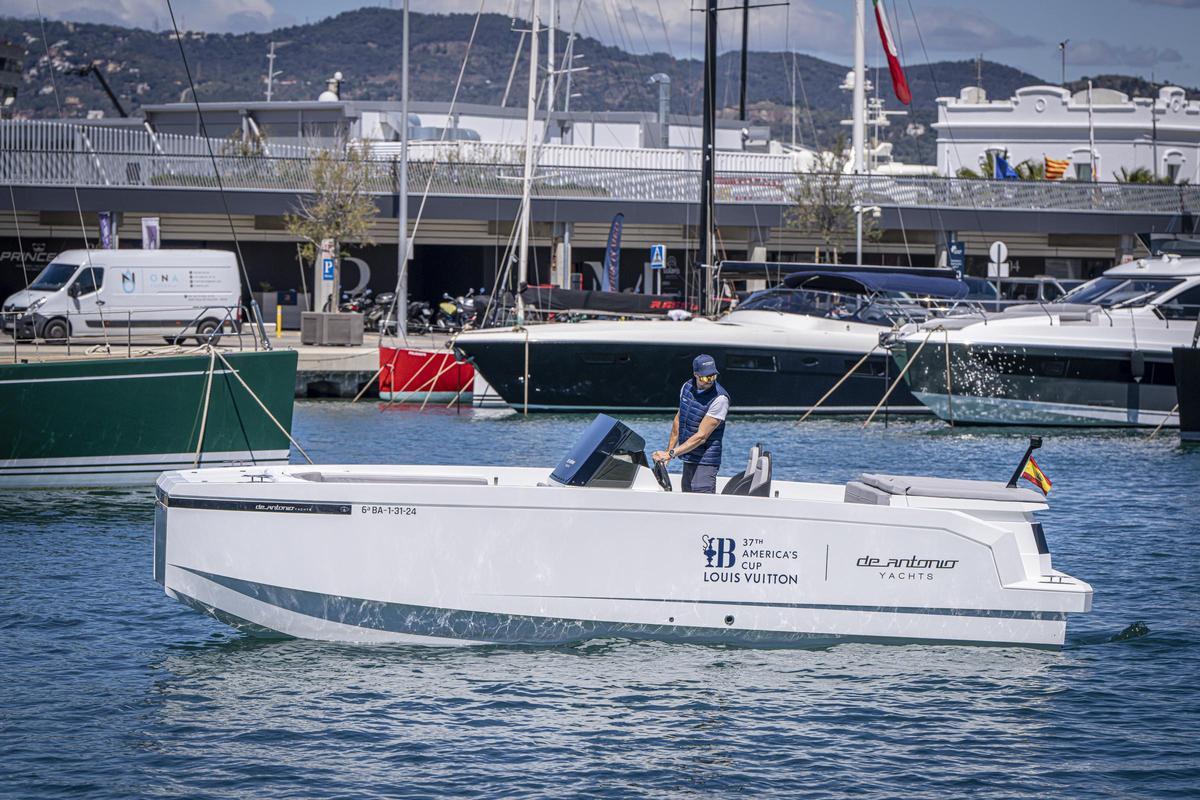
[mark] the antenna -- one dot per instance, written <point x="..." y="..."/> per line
<point x="272" y="73"/>
<point x="979" y="71"/>
<point x="1062" y="48"/>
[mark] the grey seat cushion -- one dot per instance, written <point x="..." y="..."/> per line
<point x="923" y="486"/>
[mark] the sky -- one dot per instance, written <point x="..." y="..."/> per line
<point x="1151" y="38"/>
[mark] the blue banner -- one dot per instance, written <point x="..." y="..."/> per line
<point x="610" y="280"/>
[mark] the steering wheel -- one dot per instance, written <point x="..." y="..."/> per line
<point x="660" y="474"/>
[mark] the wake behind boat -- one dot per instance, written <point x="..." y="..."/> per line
<point x="455" y="555"/>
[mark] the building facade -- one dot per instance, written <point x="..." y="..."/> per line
<point x="1159" y="134"/>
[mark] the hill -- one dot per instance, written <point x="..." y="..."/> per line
<point x="144" y="67"/>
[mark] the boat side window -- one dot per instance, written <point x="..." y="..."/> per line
<point x="1113" y="291"/>
<point x="54" y="276"/>
<point x="89" y="280"/>
<point x="1185" y="305"/>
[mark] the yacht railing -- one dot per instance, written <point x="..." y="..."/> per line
<point x="41" y="153"/>
<point x="118" y="333"/>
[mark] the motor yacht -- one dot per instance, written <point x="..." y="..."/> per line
<point x="779" y="352"/>
<point x="1099" y="356"/>
<point x="604" y="546"/>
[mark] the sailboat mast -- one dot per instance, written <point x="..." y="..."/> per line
<point x="402" y="189"/>
<point x="527" y="184"/>
<point x="860" y="61"/>
<point x="707" y="155"/>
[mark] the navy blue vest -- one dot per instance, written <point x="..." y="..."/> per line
<point x="693" y="405"/>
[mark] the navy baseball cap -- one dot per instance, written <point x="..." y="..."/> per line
<point x="704" y="365"/>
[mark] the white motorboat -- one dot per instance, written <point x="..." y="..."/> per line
<point x="1099" y="356"/>
<point x="455" y="555"/>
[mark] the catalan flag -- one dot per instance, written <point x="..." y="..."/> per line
<point x="1056" y="168"/>
<point x="1034" y="475"/>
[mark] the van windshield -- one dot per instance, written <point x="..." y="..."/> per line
<point x="53" y="277"/>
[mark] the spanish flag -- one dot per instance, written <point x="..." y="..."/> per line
<point x="1055" y="168"/>
<point x="1034" y="475"/>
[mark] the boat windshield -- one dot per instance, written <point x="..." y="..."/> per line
<point x="54" y="276"/>
<point x="830" y="305"/>
<point x="1116" y="291"/>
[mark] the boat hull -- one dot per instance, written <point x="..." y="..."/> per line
<point x="645" y="377"/>
<point x="419" y="376"/>
<point x="1042" y="386"/>
<point x="1187" y="375"/>
<point x="446" y="561"/>
<point x="123" y="421"/>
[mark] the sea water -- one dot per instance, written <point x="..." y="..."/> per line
<point x="110" y="689"/>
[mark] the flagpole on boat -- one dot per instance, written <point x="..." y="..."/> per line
<point x="527" y="184"/>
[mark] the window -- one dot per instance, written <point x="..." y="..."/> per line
<point x="1185" y="305"/>
<point x="1173" y="172"/>
<point x="1114" y="291"/>
<point x="89" y="280"/>
<point x="54" y="276"/>
<point x="1083" y="172"/>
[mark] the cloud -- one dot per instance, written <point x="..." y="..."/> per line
<point x="958" y="30"/>
<point x="1097" y="53"/>
<point x="1172" y="3"/>
<point x="207" y="15"/>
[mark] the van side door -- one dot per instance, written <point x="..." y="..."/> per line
<point x="84" y="292"/>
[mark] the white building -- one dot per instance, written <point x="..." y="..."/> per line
<point x="1161" y="134"/>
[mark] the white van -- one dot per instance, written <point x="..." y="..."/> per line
<point x="171" y="293"/>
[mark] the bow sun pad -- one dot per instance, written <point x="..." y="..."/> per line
<point x="875" y="489"/>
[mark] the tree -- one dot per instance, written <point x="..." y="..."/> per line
<point x="1027" y="170"/>
<point x="1143" y="175"/>
<point x="823" y="203"/>
<point x="340" y="207"/>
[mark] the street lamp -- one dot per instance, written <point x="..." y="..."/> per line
<point x="859" y="210"/>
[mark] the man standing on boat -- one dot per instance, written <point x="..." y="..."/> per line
<point x="699" y="427"/>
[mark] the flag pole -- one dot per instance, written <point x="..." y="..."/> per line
<point x="1034" y="443"/>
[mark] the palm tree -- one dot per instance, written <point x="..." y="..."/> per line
<point x="1144" y="175"/>
<point x="1030" y="170"/>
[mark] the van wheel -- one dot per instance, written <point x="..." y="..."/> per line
<point x="206" y="329"/>
<point x="56" y="331"/>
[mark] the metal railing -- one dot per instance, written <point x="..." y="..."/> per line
<point x="118" y="331"/>
<point x="60" y="154"/>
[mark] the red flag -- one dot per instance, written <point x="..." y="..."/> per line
<point x="899" y="83"/>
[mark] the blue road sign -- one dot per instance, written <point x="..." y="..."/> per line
<point x="327" y="269"/>
<point x="658" y="256"/>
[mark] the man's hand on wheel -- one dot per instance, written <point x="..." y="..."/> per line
<point x="661" y="456"/>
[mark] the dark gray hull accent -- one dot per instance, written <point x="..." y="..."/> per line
<point x="517" y="629"/>
<point x="645" y="376"/>
<point x="1104" y="380"/>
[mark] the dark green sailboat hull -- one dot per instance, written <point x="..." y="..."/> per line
<point x="113" y="421"/>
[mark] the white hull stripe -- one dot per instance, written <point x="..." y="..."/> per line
<point x="123" y="462"/>
<point x="1011" y="411"/>
<point x="122" y="377"/>
<point x="734" y="409"/>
